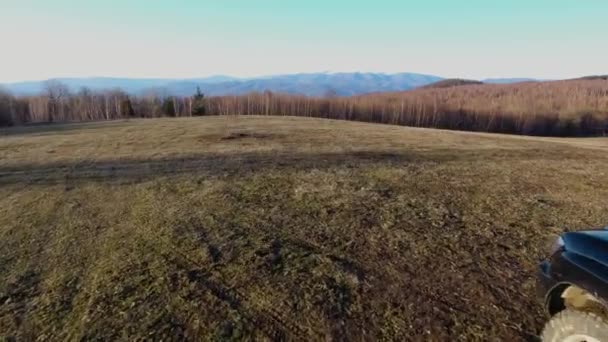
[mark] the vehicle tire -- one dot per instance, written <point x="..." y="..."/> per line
<point x="576" y="326"/>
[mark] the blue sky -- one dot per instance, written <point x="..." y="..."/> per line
<point x="188" y="38"/>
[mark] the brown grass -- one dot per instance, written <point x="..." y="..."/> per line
<point x="282" y="228"/>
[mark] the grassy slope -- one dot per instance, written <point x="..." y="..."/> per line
<point x="232" y="227"/>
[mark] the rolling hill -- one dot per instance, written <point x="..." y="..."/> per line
<point x="283" y="228"/>
<point x="309" y="84"/>
<point x="452" y="82"/>
<point x="134" y="86"/>
<point x="508" y="80"/>
<point x="313" y="84"/>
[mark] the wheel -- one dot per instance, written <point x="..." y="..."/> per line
<point x="576" y="326"/>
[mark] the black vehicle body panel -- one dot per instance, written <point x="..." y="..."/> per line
<point x="582" y="261"/>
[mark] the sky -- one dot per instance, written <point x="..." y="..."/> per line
<point x="545" y="39"/>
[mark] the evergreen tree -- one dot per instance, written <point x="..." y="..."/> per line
<point x="198" y="103"/>
<point x="168" y="106"/>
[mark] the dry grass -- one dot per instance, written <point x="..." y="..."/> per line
<point x="282" y="228"/>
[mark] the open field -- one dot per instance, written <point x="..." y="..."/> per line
<point x="282" y="228"/>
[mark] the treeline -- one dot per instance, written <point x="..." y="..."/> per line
<point x="58" y="104"/>
<point x="561" y="108"/>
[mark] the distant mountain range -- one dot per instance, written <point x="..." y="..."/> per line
<point x="312" y="84"/>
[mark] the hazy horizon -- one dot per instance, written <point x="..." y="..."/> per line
<point x="244" y="78"/>
<point x="195" y="39"/>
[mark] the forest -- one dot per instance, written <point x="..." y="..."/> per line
<point x="556" y="108"/>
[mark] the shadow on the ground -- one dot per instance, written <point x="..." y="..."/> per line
<point x="137" y="170"/>
<point x="49" y="128"/>
<point x="125" y="171"/>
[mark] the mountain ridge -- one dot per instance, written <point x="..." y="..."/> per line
<point x="309" y="84"/>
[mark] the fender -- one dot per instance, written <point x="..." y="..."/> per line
<point x="581" y="265"/>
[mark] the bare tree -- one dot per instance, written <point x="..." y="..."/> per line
<point x="57" y="94"/>
<point x="554" y="108"/>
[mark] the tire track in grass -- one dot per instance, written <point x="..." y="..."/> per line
<point x="268" y="320"/>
